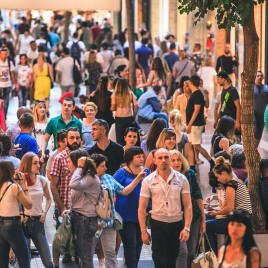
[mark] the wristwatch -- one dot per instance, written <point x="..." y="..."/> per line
<point x="187" y="229"/>
<point x="79" y="166"/>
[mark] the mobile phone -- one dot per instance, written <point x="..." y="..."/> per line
<point x="29" y="180"/>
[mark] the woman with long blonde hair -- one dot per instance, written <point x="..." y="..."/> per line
<point x="176" y="122"/>
<point x="93" y="72"/>
<point x="36" y="216"/>
<point x="43" y="76"/>
<point x="126" y="107"/>
<point x="166" y="140"/>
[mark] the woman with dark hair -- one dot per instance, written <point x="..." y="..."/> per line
<point x="127" y="206"/>
<point x="224" y="131"/>
<point x="155" y="130"/>
<point x="121" y="72"/>
<point x="163" y="51"/>
<point x="11" y="233"/>
<point x="108" y="235"/>
<point x="84" y="184"/>
<point x="240" y="249"/>
<point x="159" y="76"/>
<point x="24" y="72"/>
<point x="125" y="104"/>
<point x="107" y="56"/>
<point x="100" y="38"/>
<point x="239" y="165"/>
<point x="102" y="98"/>
<point x="10" y="47"/>
<point x="236" y="197"/>
<point x="132" y="137"/>
<point x="179" y="89"/>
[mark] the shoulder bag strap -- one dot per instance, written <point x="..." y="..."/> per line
<point x="183" y="68"/>
<point x="91" y="199"/>
<point x="5" y="191"/>
<point x="221" y="64"/>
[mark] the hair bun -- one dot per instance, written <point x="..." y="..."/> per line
<point x="220" y="160"/>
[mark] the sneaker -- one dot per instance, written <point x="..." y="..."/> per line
<point x="67" y="258"/>
<point x="142" y="133"/>
<point x="101" y="263"/>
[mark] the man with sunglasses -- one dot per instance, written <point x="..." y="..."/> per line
<point x="260" y="103"/>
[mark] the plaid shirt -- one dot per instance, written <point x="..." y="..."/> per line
<point x="115" y="187"/>
<point x="61" y="170"/>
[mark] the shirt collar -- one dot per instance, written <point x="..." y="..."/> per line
<point x="170" y="177"/>
<point x="60" y="118"/>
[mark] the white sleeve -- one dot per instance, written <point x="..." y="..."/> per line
<point x="145" y="191"/>
<point x="99" y="58"/>
<point x="58" y="66"/>
<point x="218" y="98"/>
<point x="185" y="186"/>
<point x="69" y="44"/>
<point x="81" y="45"/>
<point x="12" y="68"/>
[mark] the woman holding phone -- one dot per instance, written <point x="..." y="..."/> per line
<point x="11" y="233"/>
<point x="35" y="216"/>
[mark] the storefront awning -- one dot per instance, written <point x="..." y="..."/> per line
<point x="81" y="5"/>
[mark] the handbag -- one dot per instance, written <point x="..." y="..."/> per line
<point x="118" y="221"/>
<point x="205" y="259"/>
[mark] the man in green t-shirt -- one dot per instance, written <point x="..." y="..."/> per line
<point x="64" y="121"/>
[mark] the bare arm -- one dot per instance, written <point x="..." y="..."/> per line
<point x="142" y="219"/>
<point x="175" y="95"/>
<point x="211" y="150"/>
<point x="238" y="112"/>
<point x="29" y="80"/>
<point x="186" y="151"/>
<point x="254" y="258"/>
<point x="51" y="72"/>
<point x="169" y="80"/>
<point x="53" y="186"/>
<point x="216" y="113"/>
<point x="24" y="198"/>
<point x="224" y="144"/>
<point x="135" y="110"/>
<point x="48" y="199"/>
<point x="45" y="142"/>
<point x="188" y="215"/>
<point x="230" y="202"/>
<point x="149" y="160"/>
<point x="203" y="216"/>
<point x="128" y="189"/>
<point x="150" y="79"/>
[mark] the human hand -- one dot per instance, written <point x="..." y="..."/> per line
<point x="188" y="129"/>
<point x="184" y="235"/>
<point x="99" y="226"/>
<point x="146" y="238"/>
<point x="213" y="213"/>
<point x="141" y="175"/>
<point x="65" y="211"/>
<point x="202" y="226"/>
<point x="215" y="124"/>
<point x="17" y="87"/>
<point x="22" y="180"/>
<point x="43" y="217"/>
<point x="81" y="161"/>
<point x="237" y="126"/>
<point x="209" y="199"/>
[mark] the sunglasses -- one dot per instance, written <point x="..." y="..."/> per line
<point x="132" y="129"/>
<point x="169" y="130"/>
<point x="37" y="102"/>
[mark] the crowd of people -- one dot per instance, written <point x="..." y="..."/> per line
<point x="152" y="178"/>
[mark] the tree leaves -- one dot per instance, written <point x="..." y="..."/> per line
<point x="228" y="12"/>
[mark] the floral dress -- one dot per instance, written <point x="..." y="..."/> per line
<point x="161" y="97"/>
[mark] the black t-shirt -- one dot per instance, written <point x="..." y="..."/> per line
<point x="228" y="96"/>
<point x="114" y="153"/>
<point x="197" y="98"/>
<point x="226" y="63"/>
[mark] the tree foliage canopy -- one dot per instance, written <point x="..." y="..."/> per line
<point x="228" y="12"/>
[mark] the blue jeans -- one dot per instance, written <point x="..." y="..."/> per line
<point x="5" y="92"/>
<point x="146" y="72"/>
<point x="214" y="227"/>
<point x="132" y="243"/>
<point x="92" y="87"/>
<point x="38" y="236"/>
<point x="84" y="232"/>
<point x="22" y="95"/>
<point x="11" y="235"/>
<point x="162" y="115"/>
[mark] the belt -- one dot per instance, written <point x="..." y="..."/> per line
<point x="15" y="218"/>
<point x="77" y="213"/>
<point x="34" y="217"/>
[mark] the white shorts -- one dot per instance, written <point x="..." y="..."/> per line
<point x="195" y="137"/>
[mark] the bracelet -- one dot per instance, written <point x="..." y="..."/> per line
<point x="79" y="166"/>
<point x="25" y="190"/>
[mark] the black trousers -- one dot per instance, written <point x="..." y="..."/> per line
<point x="165" y="243"/>
<point x="121" y="123"/>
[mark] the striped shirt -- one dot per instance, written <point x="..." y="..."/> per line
<point x="242" y="198"/>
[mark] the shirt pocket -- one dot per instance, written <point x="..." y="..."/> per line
<point x="175" y="190"/>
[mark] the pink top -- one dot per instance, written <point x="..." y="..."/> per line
<point x="2" y="115"/>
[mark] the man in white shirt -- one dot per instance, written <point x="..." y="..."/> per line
<point x="72" y="45"/>
<point x="169" y="190"/>
<point x="6" y="74"/>
<point x="64" y="68"/>
<point x="32" y="53"/>
<point x="137" y="44"/>
<point x="156" y="46"/>
<point x="171" y="39"/>
<point x="42" y="40"/>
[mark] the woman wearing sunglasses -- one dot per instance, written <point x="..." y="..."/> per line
<point x="166" y="140"/>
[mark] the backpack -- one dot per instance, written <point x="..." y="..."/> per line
<point x="104" y="204"/>
<point x="76" y="74"/>
<point x="75" y="50"/>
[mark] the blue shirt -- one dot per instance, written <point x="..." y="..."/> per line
<point x="127" y="206"/>
<point x="143" y="55"/>
<point x="55" y="38"/>
<point x="23" y="144"/>
<point x="171" y="58"/>
<point x="107" y="181"/>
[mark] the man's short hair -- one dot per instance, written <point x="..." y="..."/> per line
<point x="61" y="135"/>
<point x="118" y="52"/>
<point x="75" y="129"/>
<point x="26" y="120"/>
<point x="263" y="166"/>
<point x="172" y="46"/>
<point x="6" y="141"/>
<point x="157" y="88"/>
<point x="94" y="46"/>
<point x="66" y="50"/>
<point x="75" y="34"/>
<point x="144" y="40"/>
<point x="195" y="80"/>
<point x="68" y="99"/>
<point x="41" y="48"/>
<point x="42" y="34"/>
<point x="131" y="152"/>
<point x="33" y="41"/>
<point x="102" y="123"/>
<point x="198" y="46"/>
<point x="224" y="154"/>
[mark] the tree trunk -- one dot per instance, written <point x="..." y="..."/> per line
<point x="247" y="118"/>
<point x="130" y="28"/>
<point x="66" y="26"/>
